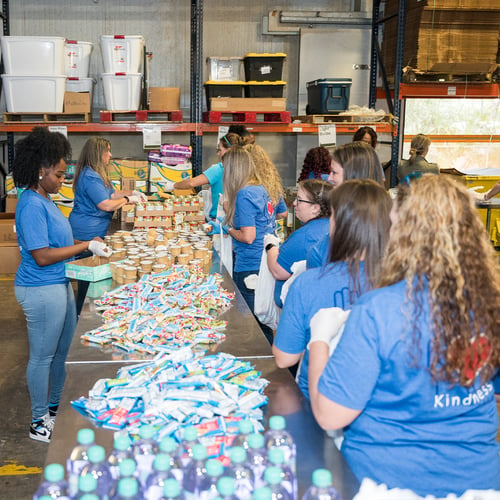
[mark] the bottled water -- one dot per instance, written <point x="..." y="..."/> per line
<point x="144" y="451"/>
<point x="86" y="485"/>
<point x="245" y="428"/>
<point x="226" y="487"/>
<point x="208" y="487"/>
<point x="128" y="489"/>
<point x="257" y="458"/>
<point x="78" y="458"/>
<point x="172" y="490"/>
<point x="128" y="468"/>
<point x="54" y="486"/>
<point x="195" y="472"/>
<point x="122" y="450"/>
<point x="169" y="447"/>
<point x="241" y="472"/>
<point x="88" y="496"/>
<point x="155" y="482"/>
<point x="262" y="493"/>
<point x="321" y="488"/>
<point x="189" y="440"/>
<point x="272" y="475"/>
<point x="277" y="436"/>
<point x="98" y="468"/>
<point x="288" y="480"/>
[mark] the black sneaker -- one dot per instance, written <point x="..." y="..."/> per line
<point x="41" y="430"/>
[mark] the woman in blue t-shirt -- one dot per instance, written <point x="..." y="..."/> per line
<point x="317" y="163"/>
<point x="360" y="224"/>
<point x="41" y="287"/>
<point x="411" y="377"/>
<point x="312" y="208"/>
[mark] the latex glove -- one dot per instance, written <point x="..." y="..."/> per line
<point x="217" y="227"/>
<point x="100" y="248"/>
<point x="140" y="195"/>
<point x="327" y="324"/>
<point x="475" y="194"/>
<point x="134" y="199"/>
<point x="168" y="186"/>
<point x="271" y="238"/>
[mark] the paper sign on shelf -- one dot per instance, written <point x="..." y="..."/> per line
<point x="151" y="137"/>
<point x="327" y="135"/>
<point x="223" y="130"/>
<point x="59" y="128"/>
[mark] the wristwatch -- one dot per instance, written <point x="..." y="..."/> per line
<point x="127" y="198"/>
<point x="269" y="246"/>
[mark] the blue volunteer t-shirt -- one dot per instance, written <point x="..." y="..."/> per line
<point x="86" y="219"/>
<point x="412" y="432"/>
<point x="281" y="207"/>
<point x="40" y="224"/>
<point x="214" y="175"/>
<point x="313" y="290"/>
<point x="253" y="209"/>
<point x="296" y="246"/>
<point x="317" y="255"/>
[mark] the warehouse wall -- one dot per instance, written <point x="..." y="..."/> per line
<point x="230" y="29"/>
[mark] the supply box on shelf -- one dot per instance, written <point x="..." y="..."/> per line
<point x="264" y="89"/>
<point x="262" y="104"/>
<point x="89" y="269"/>
<point x="77" y="58"/>
<point x="222" y="69"/>
<point x="122" y="53"/>
<point x="164" y="98"/>
<point x="81" y="84"/>
<point x="263" y="67"/>
<point x="328" y="95"/>
<point x="223" y="89"/>
<point x="76" y="102"/>
<point x="122" y="91"/>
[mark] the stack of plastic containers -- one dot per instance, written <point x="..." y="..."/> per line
<point x="122" y="80"/>
<point x="263" y="73"/>
<point x="77" y="65"/>
<point x="34" y="79"/>
<point x="223" y="78"/>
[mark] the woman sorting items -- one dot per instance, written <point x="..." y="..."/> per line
<point x="46" y="242"/>
<point x="419" y="147"/>
<point x="411" y="378"/>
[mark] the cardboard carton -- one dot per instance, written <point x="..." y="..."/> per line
<point x="10" y="258"/>
<point x="126" y="167"/>
<point x="259" y="104"/>
<point x="90" y="269"/>
<point x="164" y="98"/>
<point x="8" y="228"/>
<point x="76" y="102"/>
<point x="10" y="203"/>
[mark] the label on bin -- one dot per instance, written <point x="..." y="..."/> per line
<point x="265" y="70"/>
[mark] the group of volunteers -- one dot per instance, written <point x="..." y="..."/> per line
<point x="390" y="323"/>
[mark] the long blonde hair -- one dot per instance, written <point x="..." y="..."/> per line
<point x="266" y="172"/>
<point x="439" y="239"/>
<point x="91" y="156"/>
<point x="239" y="171"/>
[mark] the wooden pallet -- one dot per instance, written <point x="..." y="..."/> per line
<point x="452" y="72"/>
<point x="46" y="117"/>
<point x="247" y="117"/>
<point x="339" y="119"/>
<point x="142" y="115"/>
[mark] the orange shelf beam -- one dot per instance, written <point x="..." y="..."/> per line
<point x="91" y="127"/>
<point x="459" y="138"/>
<point x="449" y="90"/>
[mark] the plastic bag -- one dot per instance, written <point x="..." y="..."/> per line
<point x="265" y="308"/>
<point x="297" y="269"/>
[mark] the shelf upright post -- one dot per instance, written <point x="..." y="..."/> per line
<point x="196" y="84"/>
<point x="374" y="55"/>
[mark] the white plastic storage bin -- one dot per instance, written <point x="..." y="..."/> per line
<point x="74" y="84"/>
<point x="33" y="55"/>
<point x="77" y="58"/>
<point x="34" y="94"/>
<point x="224" y="69"/>
<point x="122" y="92"/>
<point x="122" y="53"/>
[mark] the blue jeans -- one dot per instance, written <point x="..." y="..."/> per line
<point x="51" y="320"/>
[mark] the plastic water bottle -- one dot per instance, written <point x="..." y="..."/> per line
<point x="128" y="489"/>
<point x="195" y="472"/>
<point x="172" y="490"/>
<point x="272" y="475"/>
<point x="122" y="450"/>
<point x="155" y="482"/>
<point x="288" y="480"/>
<point x="242" y="473"/>
<point x="144" y="451"/>
<point x="257" y="458"/>
<point x="278" y="436"/>
<point x="189" y="440"/>
<point x="54" y="486"/>
<point x="78" y="458"/>
<point x="321" y="488"/>
<point x="226" y="487"/>
<point x="128" y="468"/>
<point x="86" y="485"/>
<point x="208" y="487"/>
<point x="245" y="428"/>
<point x="89" y="496"/>
<point x="98" y="468"/>
<point x="169" y="447"/>
<point x="262" y="493"/>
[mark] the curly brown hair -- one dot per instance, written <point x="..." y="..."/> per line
<point x="318" y="161"/>
<point x="439" y="241"/>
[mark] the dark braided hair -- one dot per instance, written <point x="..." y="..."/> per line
<point x="318" y="191"/>
<point x="39" y="149"/>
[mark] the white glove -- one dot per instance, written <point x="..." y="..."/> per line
<point x="168" y="186"/>
<point x="327" y="324"/>
<point x="475" y="194"/>
<point x="99" y="248"/>
<point x="140" y="195"/>
<point x="271" y="238"/>
<point x="134" y="199"/>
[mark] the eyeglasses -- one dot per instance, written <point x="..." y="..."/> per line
<point x="300" y="200"/>
<point x="405" y="181"/>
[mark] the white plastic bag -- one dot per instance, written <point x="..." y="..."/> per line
<point x="265" y="308"/>
<point x="297" y="269"/>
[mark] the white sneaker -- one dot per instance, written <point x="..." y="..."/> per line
<point x="42" y="429"/>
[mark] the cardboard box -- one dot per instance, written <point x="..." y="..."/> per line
<point x="8" y="228"/>
<point x="10" y="187"/>
<point x="10" y="203"/>
<point x="160" y="172"/>
<point x="125" y="167"/>
<point x="10" y="258"/>
<point x="164" y="98"/>
<point x="262" y="104"/>
<point x="127" y="184"/>
<point x="89" y="269"/>
<point x="76" y="102"/>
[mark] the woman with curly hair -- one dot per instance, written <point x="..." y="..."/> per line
<point x="366" y="134"/>
<point x="411" y="378"/>
<point x="316" y="164"/>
